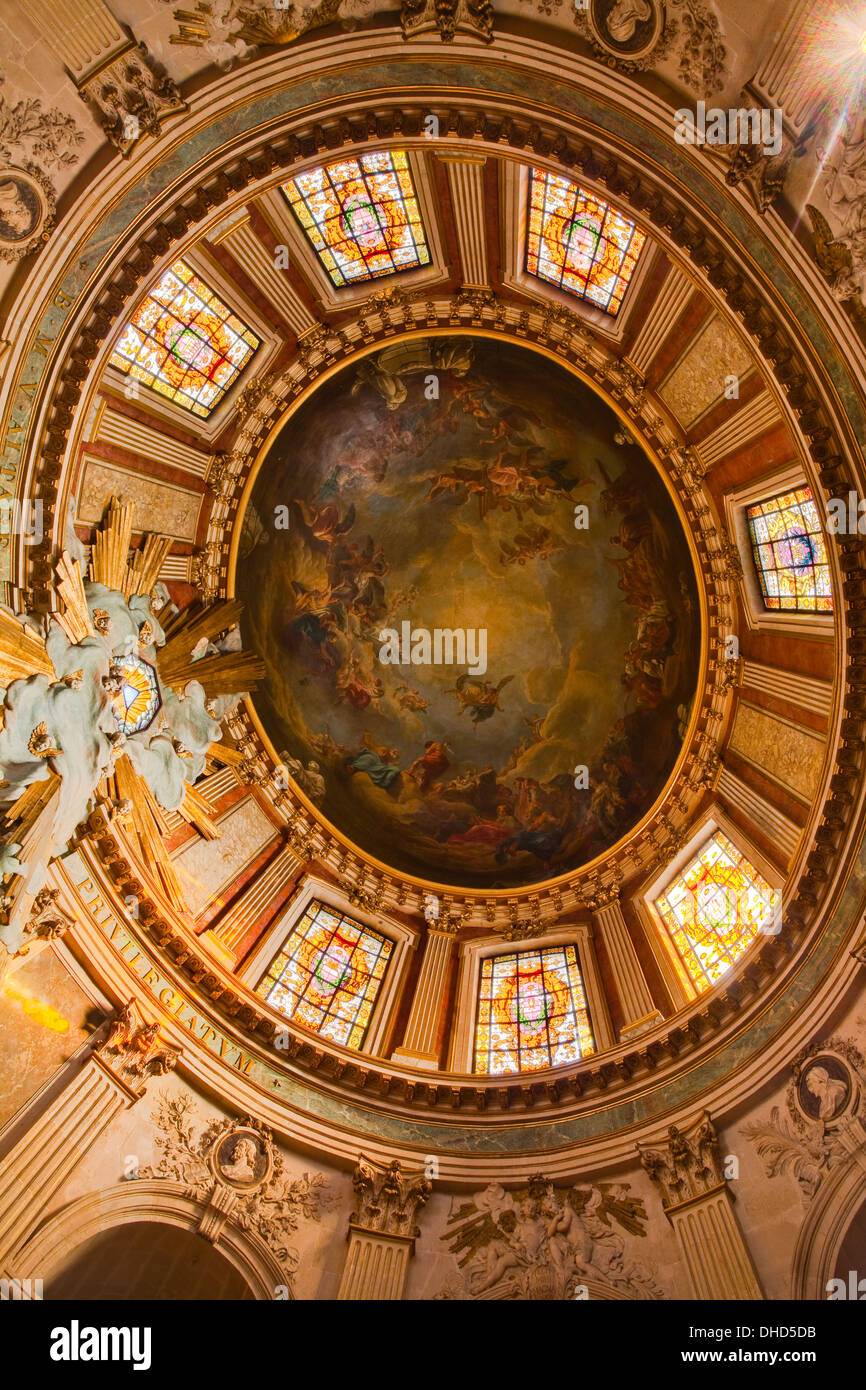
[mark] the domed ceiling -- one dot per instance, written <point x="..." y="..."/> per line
<point x="477" y="610"/>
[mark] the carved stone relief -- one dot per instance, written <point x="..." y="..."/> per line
<point x="688" y="1165"/>
<point x="638" y="35"/>
<point x="820" y="1126"/>
<point x="235" y="1168"/>
<point x="132" y="97"/>
<point x="387" y="1198"/>
<point x="33" y="139"/>
<point x="132" y="1049"/>
<point x="542" y="1242"/>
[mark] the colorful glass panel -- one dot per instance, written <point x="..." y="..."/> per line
<point x="579" y="242"/>
<point x="135" y="704"/>
<point x="328" y="974"/>
<point x="714" y="910"/>
<point x="361" y="215"/>
<point x="183" y="342"/>
<point x="791" y="554"/>
<point x="532" y="1012"/>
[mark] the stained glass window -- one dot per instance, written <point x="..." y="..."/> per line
<point x="183" y="342"/>
<point x="532" y="1012"/>
<point x="790" y="553"/>
<point x="714" y="910"/>
<point x="328" y="974"/>
<point x="135" y="704"/>
<point x="579" y="242"/>
<point x="361" y="215"/>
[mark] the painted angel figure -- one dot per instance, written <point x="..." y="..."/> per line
<point x="480" y="698"/>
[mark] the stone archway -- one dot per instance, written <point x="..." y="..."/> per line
<point x="835" y="1209"/>
<point x="149" y="1260"/>
<point x="86" y="1227"/>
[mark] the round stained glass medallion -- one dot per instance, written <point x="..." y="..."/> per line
<point x="136" y="703"/>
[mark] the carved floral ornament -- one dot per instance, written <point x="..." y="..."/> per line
<point x="639" y="35"/>
<point x="234" y="1169"/>
<point x="34" y="140"/>
<point x="822" y="1124"/>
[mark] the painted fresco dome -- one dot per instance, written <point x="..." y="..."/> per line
<point x="477" y="609"/>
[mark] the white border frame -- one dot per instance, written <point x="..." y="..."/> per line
<point x="114" y="382"/>
<point x="285" y="226"/>
<point x="654" y="928"/>
<point x="403" y="938"/>
<point x="514" y="201"/>
<point x="809" y="625"/>
<point x="472" y="953"/>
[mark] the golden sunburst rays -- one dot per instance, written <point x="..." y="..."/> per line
<point x="74" y="616"/>
<point x="138" y="818"/>
<point x="199" y="813"/>
<point x="225" y="674"/>
<point x="224" y="754"/>
<point x="110" y="561"/>
<point x="147" y="827"/>
<point x="22" y="651"/>
<point x="22" y="815"/>
<point x="27" y="822"/>
<point x="145" y="565"/>
<point x="109" y="557"/>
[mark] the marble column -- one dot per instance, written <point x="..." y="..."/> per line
<point x="689" y="1175"/>
<point x="418" y="1048"/>
<point x="629" y="981"/>
<point x="382" y="1230"/>
<point x="110" y="1079"/>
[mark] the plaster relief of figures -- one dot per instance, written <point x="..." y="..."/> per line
<point x="822" y="1110"/>
<point x="33" y="139"/>
<point x="543" y="1242"/>
<point x="242" y="1157"/>
<point x="839" y="225"/>
<point x="233" y="31"/>
<point x="132" y="1049"/>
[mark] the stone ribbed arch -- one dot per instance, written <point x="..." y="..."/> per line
<point x="145" y="1200"/>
